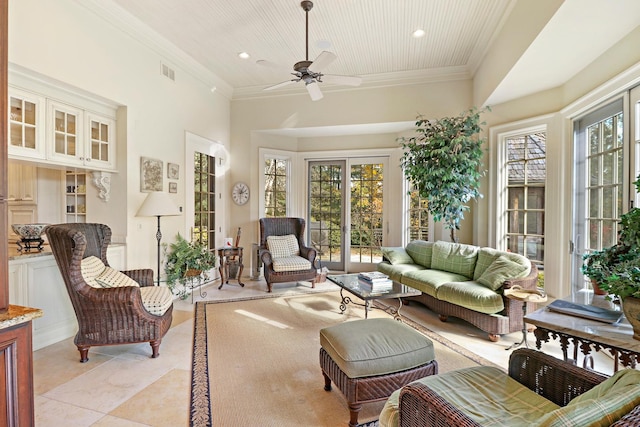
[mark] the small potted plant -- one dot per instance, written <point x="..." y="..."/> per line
<point x="187" y="262"/>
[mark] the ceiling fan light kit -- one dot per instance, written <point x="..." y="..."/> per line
<point x="310" y="72"/>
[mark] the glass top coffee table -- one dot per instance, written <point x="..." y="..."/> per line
<point x="351" y="284"/>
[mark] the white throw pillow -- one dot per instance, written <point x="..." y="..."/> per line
<point x="90" y="268"/>
<point x="283" y="246"/>
<point x="111" y="278"/>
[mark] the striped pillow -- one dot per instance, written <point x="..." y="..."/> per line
<point x="90" y="268"/>
<point x="283" y="246"/>
<point x="111" y="278"/>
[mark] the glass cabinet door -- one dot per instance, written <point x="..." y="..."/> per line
<point x="66" y="143"/>
<point x="101" y="141"/>
<point x="25" y="124"/>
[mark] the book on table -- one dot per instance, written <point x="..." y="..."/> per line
<point x="374" y="277"/>
<point x="586" y="311"/>
<point x="377" y="286"/>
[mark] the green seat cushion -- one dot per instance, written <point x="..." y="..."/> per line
<point x="395" y="272"/>
<point x="486" y="257"/>
<point x="421" y="252"/>
<point x="396" y="255"/>
<point x="500" y="270"/>
<point x="428" y="281"/>
<point x="471" y="295"/>
<point x="455" y="258"/>
<point x="371" y="347"/>
<point x="603" y="405"/>
<point x="490" y="397"/>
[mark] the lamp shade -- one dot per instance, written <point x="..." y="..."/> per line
<point x="158" y="203"/>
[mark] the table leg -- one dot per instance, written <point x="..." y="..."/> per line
<point x="524" y="330"/>
<point x="222" y="269"/>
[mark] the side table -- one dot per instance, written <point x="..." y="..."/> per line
<point x="228" y="255"/>
<point x="525" y="296"/>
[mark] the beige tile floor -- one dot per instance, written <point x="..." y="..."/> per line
<point x="123" y="386"/>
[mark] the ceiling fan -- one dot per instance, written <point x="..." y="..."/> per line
<point x="310" y="72"/>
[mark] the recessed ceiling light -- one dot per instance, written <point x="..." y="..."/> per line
<point x="418" y="33"/>
<point x="243" y="55"/>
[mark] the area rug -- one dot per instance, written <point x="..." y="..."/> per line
<point x="255" y="362"/>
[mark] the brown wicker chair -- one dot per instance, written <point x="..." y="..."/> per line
<point x="283" y="227"/>
<point x="105" y="316"/>
<point x="552" y="378"/>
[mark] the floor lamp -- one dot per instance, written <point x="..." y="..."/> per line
<point x="158" y="204"/>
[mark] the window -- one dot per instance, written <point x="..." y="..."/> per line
<point x="204" y="188"/>
<point x="418" y="217"/>
<point x="526" y="173"/>
<point x="275" y="187"/>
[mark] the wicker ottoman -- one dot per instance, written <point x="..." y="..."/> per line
<point x="370" y="359"/>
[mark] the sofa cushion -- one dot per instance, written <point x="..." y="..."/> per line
<point x="390" y="414"/>
<point x="156" y="299"/>
<point x="90" y="268"/>
<point x="471" y="295"/>
<point x="500" y="270"/>
<point x="396" y="255"/>
<point x="454" y="258"/>
<point x="421" y="252"/>
<point x="291" y="263"/>
<point x="489" y="396"/>
<point x="395" y="272"/>
<point x="283" y="246"/>
<point x="603" y="405"/>
<point x="486" y="257"/>
<point x="428" y="281"/>
<point x="371" y="347"/>
<point x="112" y="278"/>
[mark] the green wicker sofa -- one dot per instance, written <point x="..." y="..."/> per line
<point x="464" y="281"/>
<point x="539" y="390"/>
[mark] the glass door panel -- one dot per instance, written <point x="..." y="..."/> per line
<point x="326" y="212"/>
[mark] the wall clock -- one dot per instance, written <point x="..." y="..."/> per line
<point x="240" y="193"/>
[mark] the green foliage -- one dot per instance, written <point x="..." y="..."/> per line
<point x="183" y="256"/>
<point x="444" y="163"/>
<point x="616" y="269"/>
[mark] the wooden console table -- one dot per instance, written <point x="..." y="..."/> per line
<point x="586" y="335"/>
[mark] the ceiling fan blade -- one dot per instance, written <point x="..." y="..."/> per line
<point x="325" y="58"/>
<point x="342" y="80"/>
<point x="314" y="91"/>
<point x="286" y="83"/>
<point x="274" y="66"/>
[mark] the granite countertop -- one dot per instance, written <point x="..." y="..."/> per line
<point x="15" y="254"/>
<point x="17" y="314"/>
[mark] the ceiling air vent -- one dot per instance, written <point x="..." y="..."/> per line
<point x="167" y="71"/>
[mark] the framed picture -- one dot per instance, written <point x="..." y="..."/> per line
<point x="150" y="174"/>
<point x="173" y="171"/>
<point x="173" y="187"/>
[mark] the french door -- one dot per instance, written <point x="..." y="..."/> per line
<point x="345" y="212"/>
<point x="606" y="165"/>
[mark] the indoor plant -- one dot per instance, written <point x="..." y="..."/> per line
<point x="187" y="262"/>
<point x="444" y="163"/>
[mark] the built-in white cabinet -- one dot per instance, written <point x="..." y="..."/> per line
<point x="20" y="214"/>
<point x="22" y="183"/>
<point x="26" y="125"/>
<point x="63" y="133"/>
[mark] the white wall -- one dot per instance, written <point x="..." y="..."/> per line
<point x="66" y="41"/>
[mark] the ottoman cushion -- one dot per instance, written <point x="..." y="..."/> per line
<point x="371" y="347"/>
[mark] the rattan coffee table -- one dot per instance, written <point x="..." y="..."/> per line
<point x="351" y="284"/>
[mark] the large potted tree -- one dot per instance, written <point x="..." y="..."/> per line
<point x="443" y="161"/>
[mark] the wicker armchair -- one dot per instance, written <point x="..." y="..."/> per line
<point x="283" y="227"/>
<point x="105" y="316"/>
<point x="552" y="378"/>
